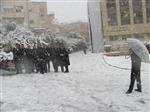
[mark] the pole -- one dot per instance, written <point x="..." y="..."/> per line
<point x="90" y="30"/>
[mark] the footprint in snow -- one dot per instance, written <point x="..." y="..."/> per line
<point x="142" y="101"/>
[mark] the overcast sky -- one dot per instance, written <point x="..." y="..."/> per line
<point x="68" y="10"/>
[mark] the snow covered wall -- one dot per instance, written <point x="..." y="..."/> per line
<point x="95" y="25"/>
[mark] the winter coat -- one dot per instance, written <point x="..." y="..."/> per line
<point x="65" y="57"/>
<point x="136" y="61"/>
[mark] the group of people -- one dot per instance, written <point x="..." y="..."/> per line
<point x="37" y="59"/>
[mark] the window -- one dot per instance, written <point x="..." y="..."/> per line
<point x="147" y="35"/>
<point x="111" y="11"/>
<point x="125" y="12"/>
<point x="137" y="11"/>
<point x="30" y="10"/>
<point x="19" y="9"/>
<point x="41" y="12"/>
<point x="148" y="10"/>
<point x="31" y="21"/>
<point x="8" y="10"/>
<point x="138" y="36"/>
<point x="124" y="37"/>
<point x="113" y="38"/>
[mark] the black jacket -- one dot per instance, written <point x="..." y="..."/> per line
<point x="136" y="61"/>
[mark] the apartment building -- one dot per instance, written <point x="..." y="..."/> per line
<point x="14" y="10"/>
<point x="32" y="15"/>
<point x="38" y="15"/>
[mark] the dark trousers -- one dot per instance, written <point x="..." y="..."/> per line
<point x="36" y="66"/>
<point x="41" y="66"/>
<point x="135" y="75"/>
<point x="66" y="67"/>
<point x="18" y="66"/>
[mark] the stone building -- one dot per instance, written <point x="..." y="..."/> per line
<point x="30" y="14"/>
<point x="38" y="15"/>
<point x="123" y="19"/>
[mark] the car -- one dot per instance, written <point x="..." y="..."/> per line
<point x="6" y="61"/>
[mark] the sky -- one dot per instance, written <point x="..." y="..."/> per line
<point x="68" y="10"/>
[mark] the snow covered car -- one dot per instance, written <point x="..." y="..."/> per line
<point x="6" y="61"/>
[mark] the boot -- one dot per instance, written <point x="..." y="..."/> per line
<point x="138" y="90"/>
<point x="67" y="70"/>
<point x="128" y="92"/>
<point x="62" y="68"/>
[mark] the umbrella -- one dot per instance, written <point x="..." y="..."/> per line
<point x="139" y="49"/>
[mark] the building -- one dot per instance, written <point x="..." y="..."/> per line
<point x="14" y="10"/>
<point x="123" y="19"/>
<point x="29" y="14"/>
<point x="119" y="20"/>
<point x="38" y="15"/>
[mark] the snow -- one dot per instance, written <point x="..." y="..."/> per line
<point x="6" y="56"/>
<point x="91" y="86"/>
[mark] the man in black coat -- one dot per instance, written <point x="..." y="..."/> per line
<point x="35" y="59"/>
<point x="65" y="59"/>
<point x="29" y="60"/>
<point x="17" y="54"/>
<point x="61" y="58"/>
<point x="55" y="58"/>
<point x="41" y="59"/>
<point x="135" y="72"/>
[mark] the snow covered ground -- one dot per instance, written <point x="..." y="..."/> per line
<point x="91" y="86"/>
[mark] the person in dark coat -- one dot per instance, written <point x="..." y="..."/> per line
<point x="55" y="58"/>
<point x="35" y="59"/>
<point x="65" y="59"/>
<point x="135" y="73"/>
<point x="41" y="60"/>
<point x="29" y="60"/>
<point x="15" y="59"/>
<point x="46" y="58"/>
<point x="17" y="54"/>
<point x="61" y="58"/>
<point x="84" y="47"/>
<point x="24" y="61"/>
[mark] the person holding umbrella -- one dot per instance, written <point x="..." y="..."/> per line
<point x="138" y="53"/>
<point x="135" y="72"/>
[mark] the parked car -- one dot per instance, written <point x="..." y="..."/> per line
<point x="6" y="61"/>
